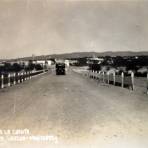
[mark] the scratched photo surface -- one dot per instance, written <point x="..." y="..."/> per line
<point x="73" y="73"/>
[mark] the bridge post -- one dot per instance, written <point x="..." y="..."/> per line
<point x="97" y="72"/>
<point x="114" y="78"/>
<point x="147" y="84"/>
<point x="96" y="75"/>
<point x="132" y="80"/>
<point x="2" y="81"/>
<point x="99" y="75"/>
<point x="103" y="77"/>
<point x="107" y="77"/>
<point x="14" y="81"/>
<point x="30" y="74"/>
<point x="25" y="76"/>
<point x="18" y="79"/>
<point x="88" y="73"/>
<point x="9" y="80"/>
<point x="122" y="79"/>
<point x="92" y="74"/>
<point x="85" y="74"/>
<point x="22" y="77"/>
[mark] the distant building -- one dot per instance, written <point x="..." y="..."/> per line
<point x="25" y="63"/>
<point x="94" y="60"/>
<point x="43" y="63"/>
<point x="49" y="62"/>
<point x="67" y="63"/>
<point x="73" y="62"/>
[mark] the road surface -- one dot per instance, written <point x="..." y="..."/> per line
<point x="78" y="111"/>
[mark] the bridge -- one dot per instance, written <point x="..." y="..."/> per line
<point x="77" y="110"/>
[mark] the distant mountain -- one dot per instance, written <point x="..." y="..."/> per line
<point x="86" y="54"/>
<point x="101" y="54"/>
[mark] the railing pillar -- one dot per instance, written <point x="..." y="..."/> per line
<point x="103" y="77"/>
<point x="2" y="81"/>
<point x="22" y="77"/>
<point x="96" y="75"/>
<point x="25" y="76"/>
<point x="114" y="78"/>
<point x="108" y="77"/>
<point x="14" y="81"/>
<point x="30" y="74"/>
<point x="122" y="79"/>
<point x="90" y="73"/>
<point x="93" y="74"/>
<point x="9" y="80"/>
<point x="18" y="78"/>
<point x="99" y="75"/>
<point x="132" y="80"/>
<point x="147" y="84"/>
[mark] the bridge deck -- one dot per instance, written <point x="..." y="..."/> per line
<point x="75" y="109"/>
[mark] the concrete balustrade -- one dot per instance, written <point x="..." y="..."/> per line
<point x="112" y="78"/>
<point x="13" y="78"/>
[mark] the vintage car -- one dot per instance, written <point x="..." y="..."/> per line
<point x="60" y="69"/>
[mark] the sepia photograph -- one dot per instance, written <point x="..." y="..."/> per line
<point x="73" y="73"/>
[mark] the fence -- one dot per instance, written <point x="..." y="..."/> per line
<point x="122" y="80"/>
<point x="9" y="79"/>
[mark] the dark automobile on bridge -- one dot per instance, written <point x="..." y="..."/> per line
<point x="60" y="69"/>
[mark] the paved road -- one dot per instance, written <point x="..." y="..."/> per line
<point x="80" y="112"/>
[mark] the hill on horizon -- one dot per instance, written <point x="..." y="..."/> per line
<point x="85" y="54"/>
<point x="98" y="54"/>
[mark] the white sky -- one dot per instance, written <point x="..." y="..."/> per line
<point x="45" y="27"/>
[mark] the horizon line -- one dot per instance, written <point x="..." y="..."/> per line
<point x="73" y="53"/>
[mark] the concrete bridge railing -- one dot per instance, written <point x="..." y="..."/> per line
<point x="122" y="80"/>
<point x="9" y="79"/>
